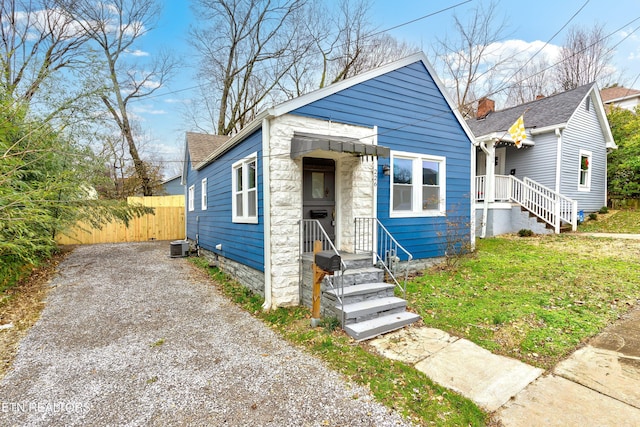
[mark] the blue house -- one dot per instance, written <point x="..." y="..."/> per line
<point x="379" y="164"/>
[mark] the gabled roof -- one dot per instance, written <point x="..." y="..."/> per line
<point x="201" y="145"/>
<point x="554" y="110"/>
<point x="308" y="98"/>
<point x="618" y="93"/>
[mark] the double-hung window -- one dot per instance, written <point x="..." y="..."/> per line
<point x="204" y="195"/>
<point x="190" y="196"/>
<point x="418" y="185"/>
<point x="584" y="177"/>
<point x="244" y="181"/>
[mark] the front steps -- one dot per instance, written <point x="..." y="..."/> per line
<point x="370" y="307"/>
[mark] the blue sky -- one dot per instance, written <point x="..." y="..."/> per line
<point x="527" y="22"/>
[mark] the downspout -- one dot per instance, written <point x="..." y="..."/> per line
<point x="266" y="210"/>
<point x="474" y="192"/>
<point x="489" y="173"/>
<point x="558" y="159"/>
<point x="556" y="208"/>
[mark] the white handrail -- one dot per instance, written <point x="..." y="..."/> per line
<point x="547" y="204"/>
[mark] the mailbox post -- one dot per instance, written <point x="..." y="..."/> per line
<point x="323" y="262"/>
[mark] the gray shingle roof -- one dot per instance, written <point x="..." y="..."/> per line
<point x="549" y="111"/>
<point x="201" y="145"/>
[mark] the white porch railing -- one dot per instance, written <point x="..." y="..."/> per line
<point x="547" y="204"/>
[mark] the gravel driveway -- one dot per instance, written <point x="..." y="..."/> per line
<point x="130" y="336"/>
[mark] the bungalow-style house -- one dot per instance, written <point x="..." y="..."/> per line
<point x="558" y="172"/>
<point x="373" y="167"/>
<point x="621" y="97"/>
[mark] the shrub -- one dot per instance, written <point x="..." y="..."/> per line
<point x="603" y="210"/>
<point x="525" y="232"/>
<point x="593" y="216"/>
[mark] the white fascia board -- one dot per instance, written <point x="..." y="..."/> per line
<point x="185" y="162"/>
<point x="610" y="143"/>
<point x="237" y="138"/>
<point x="602" y="116"/>
<point x="501" y="136"/>
<point x="547" y="129"/>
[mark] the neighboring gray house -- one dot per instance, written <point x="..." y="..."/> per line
<point x="559" y="171"/>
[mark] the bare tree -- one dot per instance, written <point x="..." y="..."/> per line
<point x="114" y="28"/>
<point x="530" y="81"/>
<point x="245" y="49"/>
<point x="470" y="59"/>
<point x="37" y="40"/>
<point x="584" y="58"/>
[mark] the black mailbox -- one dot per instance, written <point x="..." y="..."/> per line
<point x="328" y="261"/>
<point x="318" y="213"/>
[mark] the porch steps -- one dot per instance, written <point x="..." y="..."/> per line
<point x="369" y="309"/>
<point x="363" y="289"/>
<point x="380" y="325"/>
<point x="369" y="305"/>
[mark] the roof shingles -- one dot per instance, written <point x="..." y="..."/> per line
<point x="544" y="112"/>
<point x="201" y="145"/>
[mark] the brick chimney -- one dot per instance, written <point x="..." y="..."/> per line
<point x="485" y="106"/>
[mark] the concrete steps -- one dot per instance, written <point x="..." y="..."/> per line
<point x="369" y="307"/>
<point x="380" y="325"/>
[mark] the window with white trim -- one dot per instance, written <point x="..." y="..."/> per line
<point x="584" y="177"/>
<point x="191" y="195"/>
<point x="244" y="181"/>
<point x="417" y="185"/>
<point x="204" y="194"/>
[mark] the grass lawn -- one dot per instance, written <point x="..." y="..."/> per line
<point x="626" y="221"/>
<point x="535" y="298"/>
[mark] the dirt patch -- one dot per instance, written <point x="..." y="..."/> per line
<point x="21" y="305"/>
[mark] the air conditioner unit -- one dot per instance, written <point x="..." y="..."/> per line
<point x="179" y="248"/>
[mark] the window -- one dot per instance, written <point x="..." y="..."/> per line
<point x="204" y="194"/>
<point x="584" y="179"/>
<point x="418" y="185"/>
<point x="192" y="191"/>
<point x="245" y="190"/>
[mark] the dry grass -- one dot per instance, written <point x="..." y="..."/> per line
<point x="21" y="306"/>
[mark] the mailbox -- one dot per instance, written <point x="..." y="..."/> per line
<point x="328" y="261"/>
<point x="318" y="213"/>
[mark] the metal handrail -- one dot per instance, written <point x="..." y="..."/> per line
<point x="311" y="230"/>
<point x="371" y="236"/>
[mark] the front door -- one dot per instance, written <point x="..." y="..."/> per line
<point x="319" y="198"/>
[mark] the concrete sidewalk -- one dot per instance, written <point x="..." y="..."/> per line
<point x="598" y="385"/>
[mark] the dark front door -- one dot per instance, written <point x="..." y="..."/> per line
<point x="319" y="196"/>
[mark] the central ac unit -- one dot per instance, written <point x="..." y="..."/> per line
<point x="179" y="248"/>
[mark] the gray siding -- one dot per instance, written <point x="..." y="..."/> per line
<point x="583" y="132"/>
<point x="537" y="163"/>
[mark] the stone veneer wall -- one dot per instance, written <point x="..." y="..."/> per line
<point x="245" y="275"/>
<point x="286" y="196"/>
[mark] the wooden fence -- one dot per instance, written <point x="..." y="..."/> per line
<point x="167" y="224"/>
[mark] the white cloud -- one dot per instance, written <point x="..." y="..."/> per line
<point x="137" y="52"/>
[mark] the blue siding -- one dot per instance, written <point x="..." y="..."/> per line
<point x="413" y="116"/>
<point x="243" y="243"/>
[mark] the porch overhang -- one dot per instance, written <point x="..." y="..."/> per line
<point x="304" y="143"/>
